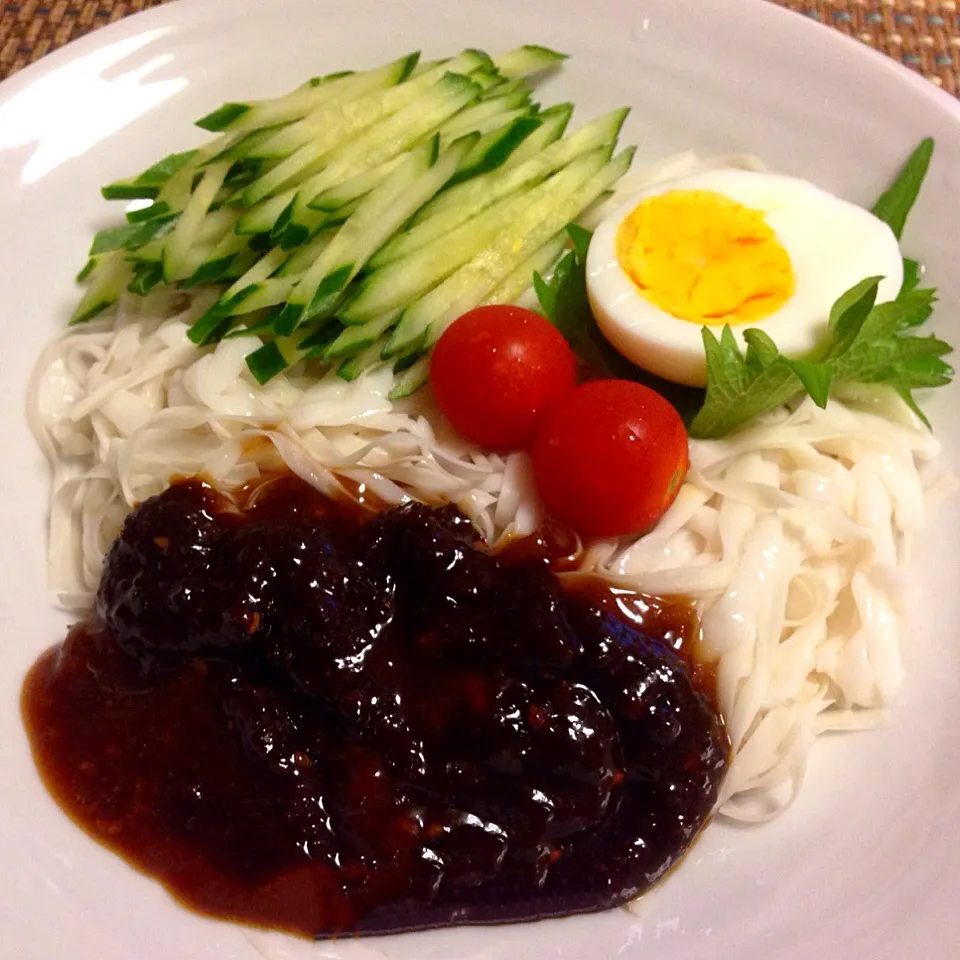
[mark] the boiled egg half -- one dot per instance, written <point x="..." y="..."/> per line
<point x="733" y="247"/>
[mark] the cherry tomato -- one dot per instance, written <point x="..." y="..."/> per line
<point x="496" y="370"/>
<point x="610" y="457"/>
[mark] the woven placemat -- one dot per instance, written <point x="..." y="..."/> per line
<point x="923" y="34"/>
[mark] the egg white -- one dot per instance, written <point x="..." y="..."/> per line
<point x="832" y="245"/>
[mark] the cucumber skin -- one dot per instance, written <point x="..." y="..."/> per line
<point x="411" y="379"/>
<point x="222" y="117"/>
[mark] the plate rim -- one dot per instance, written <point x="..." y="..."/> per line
<point x="758" y="9"/>
<point x="122" y="28"/>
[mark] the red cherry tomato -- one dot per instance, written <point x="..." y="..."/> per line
<point x="496" y="370"/>
<point x="610" y="457"/>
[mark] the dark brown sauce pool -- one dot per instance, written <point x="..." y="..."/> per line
<point x="299" y="715"/>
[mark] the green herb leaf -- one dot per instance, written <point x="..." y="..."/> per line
<point x="761" y="351"/>
<point x="866" y="343"/>
<point x="907" y="398"/>
<point x="849" y="312"/>
<point x="912" y="275"/>
<point x="815" y="378"/>
<point x="740" y="388"/>
<point x="898" y="199"/>
<point x="884" y="352"/>
<point x="561" y="297"/>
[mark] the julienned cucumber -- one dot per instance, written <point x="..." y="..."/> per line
<point x="106" y="281"/>
<point x="355" y="187"/>
<point x="465" y="200"/>
<point x="370" y="108"/>
<point x="350" y="221"/>
<point x="302" y="258"/>
<point x="396" y="134"/>
<point x="411" y="379"/>
<point x="406" y="279"/>
<point x="288" y="212"/>
<point x="353" y="339"/>
<point x="517" y="282"/>
<point x="241" y="117"/>
<point x="550" y="209"/>
<point x="335" y="123"/>
<point x="510" y="288"/>
<point x="526" y="60"/>
<point x="379" y="216"/>
<point x="369" y="357"/>
<point x="177" y="259"/>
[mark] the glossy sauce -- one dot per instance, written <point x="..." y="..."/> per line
<point x="299" y="714"/>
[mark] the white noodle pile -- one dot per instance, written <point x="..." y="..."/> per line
<point x="793" y="535"/>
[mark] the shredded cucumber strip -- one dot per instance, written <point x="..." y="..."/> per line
<point x="337" y="123"/>
<point x="411" y="379"/>
<point x="527" y="60"/>
<point x="288" y="214"/>
<point x="379" y="216"/>
<point x="264" y="268"/>
<point x="302" y="257"/>
<point x="176" y="254"/>
<point x="353" y="339"/>
<point x="105" y="283"/>
<point x="405" y="279"/>
<point x="492" y="110"/>
<point x="257" y="295"/>
<point x="244" y="117"/>
<point x="553" y="124"/>
<point x="263" y="217"/>
<point x="465" y="289"/>
<point x="398" y="133"/>
<point x="291" y="138"/>
<point x="520" y="279"/>
<point x="355" y="187"/>
<point x="366" y="359"/>
<point x="465" y="200"/>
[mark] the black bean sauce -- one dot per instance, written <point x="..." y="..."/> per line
<point x="302" y="717"/>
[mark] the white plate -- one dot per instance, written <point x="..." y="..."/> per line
<point x="866" y="865"/>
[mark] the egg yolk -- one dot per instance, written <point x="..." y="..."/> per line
<point x="703" y="257"/>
